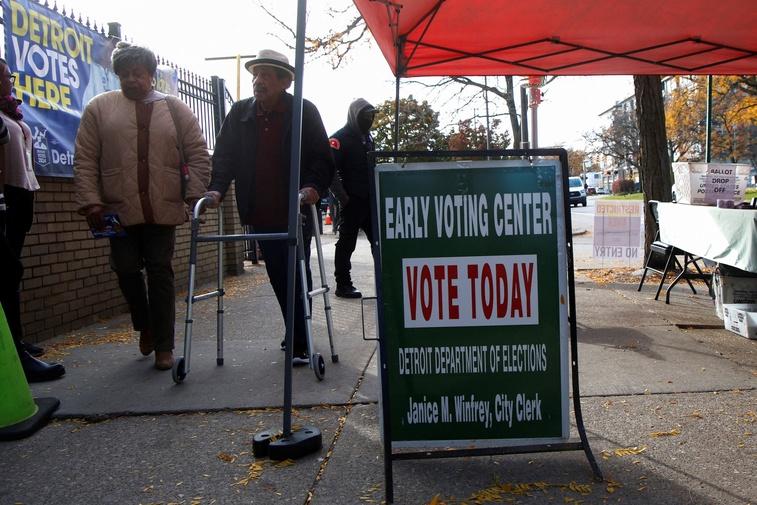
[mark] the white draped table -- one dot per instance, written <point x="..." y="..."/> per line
<point x="727" y="236"/>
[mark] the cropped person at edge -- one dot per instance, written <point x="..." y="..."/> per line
<point x="17" y="186"/>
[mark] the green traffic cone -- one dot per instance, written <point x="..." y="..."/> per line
<point x="20" y="414"/>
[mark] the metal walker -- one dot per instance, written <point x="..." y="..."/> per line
<point x="182" y="364"/>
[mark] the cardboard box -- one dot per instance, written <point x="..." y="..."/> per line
<point x="741" y="318"/>
<point x="733" y="289"/>
<point x="706" y="183"/>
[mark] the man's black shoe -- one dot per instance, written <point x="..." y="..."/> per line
<point x="39" y="371"/>
<point x="301" y="359"/>
<point x="32" y="349"/>
<point x="348" y="292"/>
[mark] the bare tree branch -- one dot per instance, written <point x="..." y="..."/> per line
<point x="334" y="45"/>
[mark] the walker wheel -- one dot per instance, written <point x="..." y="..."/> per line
<point x="178" y="372"/>
<point x="320" y="366"/>
<point x="335" y="358"/>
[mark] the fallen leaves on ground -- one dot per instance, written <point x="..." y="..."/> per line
<point x="284" y="463"/>
<point x="254" y="471"/>
<point x="226" y="457"/>
<point x="625" y="275"/>
<point x="369" y="495"/>
<point x="624" y="451"/>
<point x="750" y="417"/>
<point x="612" y="486"/>
<point x="504" y="493"/>
<point x="58" y="349"/>
<point x="671" y="433"/>
<point x="621" y="275"/>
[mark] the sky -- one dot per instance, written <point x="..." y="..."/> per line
<point x="187" y="33"/>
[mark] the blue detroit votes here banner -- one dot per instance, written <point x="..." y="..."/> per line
<point x="59" y="66"/>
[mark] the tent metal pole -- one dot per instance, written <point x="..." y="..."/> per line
<point x="397" y="113"/>
<point x="534" y="121"/>
<point x="708" y="119"/>
<point x="294" y="203"/>
<point x="486" y="103"/>
<point x="397" y="94"/>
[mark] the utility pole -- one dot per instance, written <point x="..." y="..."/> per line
<point x="535" y="99"/>
<point x="523" y="118"/>
<point x="237" y="57"/>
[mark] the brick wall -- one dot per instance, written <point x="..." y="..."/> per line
<point x="67" y="279"/>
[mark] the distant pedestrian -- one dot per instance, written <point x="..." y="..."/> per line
<point x="17" y="186"/>
<point x="127" y="163"/>
<point x="350" y="147"/>
<point x="253" y="150"/>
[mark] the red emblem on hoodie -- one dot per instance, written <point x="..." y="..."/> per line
<point x="334" y="143"/>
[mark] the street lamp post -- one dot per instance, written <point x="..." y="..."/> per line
<point x="237" y="57"/>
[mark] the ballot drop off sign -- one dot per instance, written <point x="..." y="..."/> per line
<point x="474" y="285"/>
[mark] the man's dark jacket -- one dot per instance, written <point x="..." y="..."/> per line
<point x="351" y="157"/>
<point x="234" y="155"/>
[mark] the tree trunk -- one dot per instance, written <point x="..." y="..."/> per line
<point x="512" y="111"/>
<point x="655" y="168"/>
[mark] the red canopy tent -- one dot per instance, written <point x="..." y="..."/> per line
<point x="559" y="37"/>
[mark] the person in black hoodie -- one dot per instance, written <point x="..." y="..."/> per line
<point x="350" y="147"/>
<point x="253" y="150"/>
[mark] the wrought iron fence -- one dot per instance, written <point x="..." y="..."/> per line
<point x="208" y="98"/>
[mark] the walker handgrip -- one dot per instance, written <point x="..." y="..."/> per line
<point x="198" y="206"/>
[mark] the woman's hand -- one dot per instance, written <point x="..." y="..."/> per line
<point x="95" y="217"/>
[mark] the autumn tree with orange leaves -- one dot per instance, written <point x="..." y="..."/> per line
<point x="734" y="119"/>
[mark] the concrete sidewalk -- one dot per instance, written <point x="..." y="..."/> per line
<point x="668" y="401"/>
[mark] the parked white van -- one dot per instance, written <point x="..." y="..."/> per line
<point x="577" y="191"/>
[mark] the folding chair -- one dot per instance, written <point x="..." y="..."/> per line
<point x="663" y="258"/>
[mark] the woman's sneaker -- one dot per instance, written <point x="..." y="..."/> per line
<point x="301" y="359"/>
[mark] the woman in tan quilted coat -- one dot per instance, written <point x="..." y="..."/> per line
<point x="127" y="163"/>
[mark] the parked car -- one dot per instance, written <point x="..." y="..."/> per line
<point x="577" y="191"/>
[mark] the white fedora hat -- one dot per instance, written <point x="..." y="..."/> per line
<point x="271" y="58"/>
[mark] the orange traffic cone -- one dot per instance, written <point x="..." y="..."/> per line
<point x="328" y="216"/>
<point x="20" y="415"/>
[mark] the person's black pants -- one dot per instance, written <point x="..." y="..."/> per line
<point x="14" y="226"/>
<point x="10" y="280"/>
<point x="276" y="255"/>
<point x="153" y="308"/>
<point x="356" y="215"/>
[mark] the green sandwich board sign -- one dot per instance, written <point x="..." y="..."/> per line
<point x="474" y="298"/>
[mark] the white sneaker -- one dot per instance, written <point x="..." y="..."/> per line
<point x="301" y="360"/>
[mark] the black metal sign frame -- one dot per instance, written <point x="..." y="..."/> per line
<point x="582" y="443"/>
